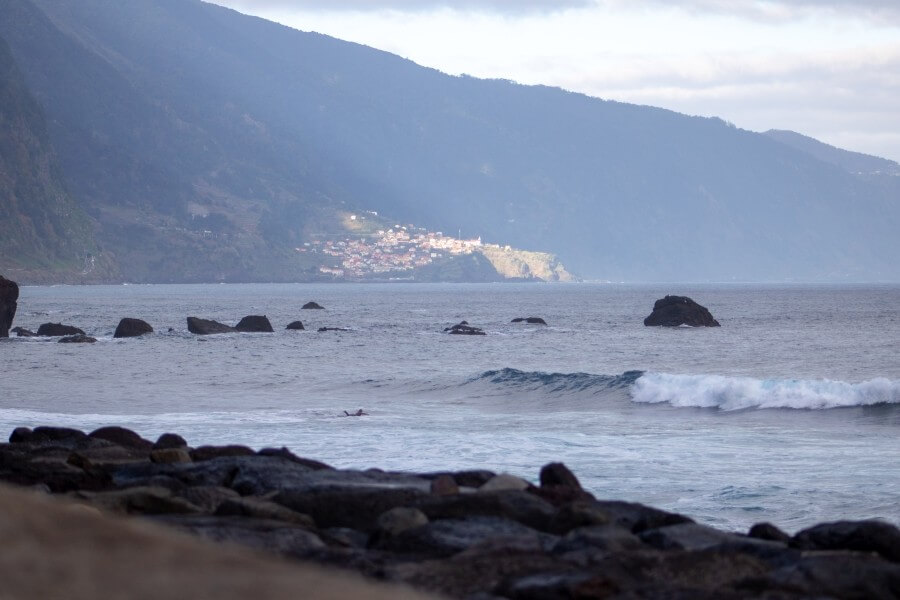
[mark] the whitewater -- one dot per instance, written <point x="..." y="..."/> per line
<point x="789" y="412"/>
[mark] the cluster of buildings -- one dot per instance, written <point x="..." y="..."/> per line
<point x="392" y="251"/>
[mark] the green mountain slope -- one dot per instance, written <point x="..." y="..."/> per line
<point x="208" y="144"/>
<point x="45" y="234"/>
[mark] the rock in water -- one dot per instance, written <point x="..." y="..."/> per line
<point x="9" y="295"/>
<point x="132" y="328"/>
<point x="463" y="328"/>
<point x="673" y="311"/>
<point x="22" y="332"/>
<point x="255" y="324"/>
<point x="313" y="305"/>
<point x="297" y="325"/>
<point x="204" y="327"/>
<point x="58" y="329"/>
<point x="531" y="320"/>
<point x="79" y="338"/>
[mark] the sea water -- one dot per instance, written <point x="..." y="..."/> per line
<point x="789" y="412"/>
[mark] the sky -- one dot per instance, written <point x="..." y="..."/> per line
<point x="829" y="69"/>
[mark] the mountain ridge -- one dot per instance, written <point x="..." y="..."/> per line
<point x="197" y="119"/>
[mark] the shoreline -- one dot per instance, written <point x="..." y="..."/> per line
<point x="463" y="534"/>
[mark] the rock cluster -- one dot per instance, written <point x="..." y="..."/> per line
<point x="9" y="295"/>
<point x="465" y="534"/>
<point x="673" y="311"/>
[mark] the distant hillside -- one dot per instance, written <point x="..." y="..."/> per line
<point x="45" y="234"/>
<point x="852" y="162"/>
<point x="207" y="145"/>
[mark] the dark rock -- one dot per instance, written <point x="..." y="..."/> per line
<point x="262" y="509"/>
<point x="397" y="520"/>
<point x="209" y="452"/>
<point x="139" y="500"/>
<point x="673" y="311"/>
<point x="283" y="452"/>
<point x="450" y="536"/>
<point x="77" y="339"/>
<point x="20" y="435"/>
<point x="321" y="329"/>
<point x="122" y="437"/>
<point x="9" y="296"/>
<point x="606" y="538"/>
<point x="514" y="505"/>
<point x="169" y="440"/>
<point x="132" y="328"/>
<point x="444" y="485"/>
<point x="558" y="474"/>
<point x="288" y="539"/>
<point x="637" y="517"/>
<point x="54" y="472"/>
<point x="463" y="328"/>
<point x="832" y="575"/>
<point x="355" y="507"/>
<point x="22" y="332"/>
<point x="170" y="455"/>
<point x="295" y="325"/>
<point x="207" y="497"/>
<point x="767" y="531"/>
<point x="532" y="320"/>
<point x="312" y="305"/>
<point x="505" y="481"/>
<point x="205" y="327"/>
<point x="861" y="536"/>
<point x="103" y="456"/>
<point x="44" y="434"/>
<point x="58" y="329"/>
<point x="255" y="324"/>
<point x="687" y="536"/>
<point x="579" y="514"/>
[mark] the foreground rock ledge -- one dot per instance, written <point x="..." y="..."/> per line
<point x="463" y="534"/>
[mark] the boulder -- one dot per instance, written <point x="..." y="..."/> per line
<point x="132" y="328"/>
<point x="58" y="329"/>
<point x="296" y="326"/>
<point x="688" y="536"/>
<point x="397" y="520"/>
<point x="356" y="507"/>
<point x="861" y="536"/>
<point x="9" y="296"/>
<point x="209" y="452"/>
<point x="531" y="320"/>
<point x="767" y="531"/>
<point x="558" y="474"/>
<point x="77" y="339"/>
<point x="170" y="455"/>
<point x="504" y="481"/>
<point x="169" y="440"/>
<point x="139" y="500"/>
<point x="312" y="306"/>
<point x="206" y="327"/>
<point x="22" y="332"/>
<point x="514" y="505"/>
<point x="122" y="437"/>
<point x="283" y="452"/>
<point x="444" y="485"/>
<point x="673" y="311"/>
<point x="258" y="508"/>
<point x="254" y="324"/>
<point x="463" y="328"/>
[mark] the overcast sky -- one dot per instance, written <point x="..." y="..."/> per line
<point x="825" y="68"/>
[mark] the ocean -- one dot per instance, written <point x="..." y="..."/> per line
<point x="787" y="413"/>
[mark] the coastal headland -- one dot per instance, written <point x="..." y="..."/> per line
<point x="462" y="534"/>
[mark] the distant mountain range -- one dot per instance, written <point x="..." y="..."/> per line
<point x="188" y="142"/>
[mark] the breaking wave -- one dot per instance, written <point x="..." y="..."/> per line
<point x="737" y="393"/>
<point x="698" y="391"/>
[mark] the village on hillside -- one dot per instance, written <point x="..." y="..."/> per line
<point x="388" y="251"/>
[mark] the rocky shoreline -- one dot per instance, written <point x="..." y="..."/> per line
<point x="466" y="534"/>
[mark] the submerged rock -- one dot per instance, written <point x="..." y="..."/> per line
<point x="77" y="339"/>
<point x="205" y="327"/>
<point x="312" y="305"/>
<point x="132" y="328"/>
<point x="9" y="295"/>
<point x="295" y="325"/>
<point x="322" y="329"/>
<point x="673" y="311"/>
<point x="532" y="320"/>
<point x="58" y="329"/>
<point x="22" y="332"/>
<point x="254" y="324"/>
<point x="463" y="328"/>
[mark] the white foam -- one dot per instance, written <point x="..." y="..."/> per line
<point x="736" y="393"/>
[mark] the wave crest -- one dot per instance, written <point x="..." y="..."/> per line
<point x="557" y="383"/>
<point x="737" y="393"/>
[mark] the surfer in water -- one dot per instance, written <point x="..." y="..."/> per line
<point x="359" y="413"/>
